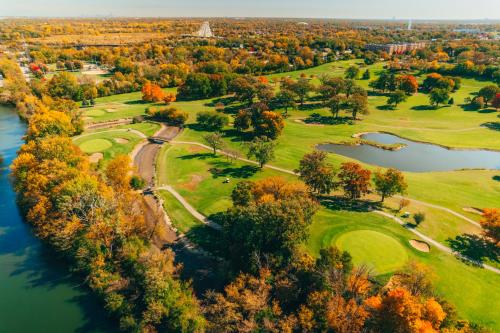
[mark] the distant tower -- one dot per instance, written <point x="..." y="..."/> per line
<point x="409" y="25"/>
<point x="205" y="31"/>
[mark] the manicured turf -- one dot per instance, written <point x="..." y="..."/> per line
<point x="377" y="251"/>
<point x="473" y="290"/>
<point x="95" y="145"/>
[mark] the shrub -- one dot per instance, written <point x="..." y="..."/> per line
<point x="137" y="182"/>
<point x="419" y="218"/>
<point x="212" y="121"/>
<point x="169" y="115"/>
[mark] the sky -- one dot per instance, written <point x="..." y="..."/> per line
<point x="356" y="9"/>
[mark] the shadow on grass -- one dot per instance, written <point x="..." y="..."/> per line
<point x="424" y="108"/>
<point x="136" y="102"/>
<point x="199" y="156"/>
<point x="310" y="106"/>
<point x="245" y="171"/>
<point x="386" y="107"/>
<point x="316" y="118"/>
<point x="474" y="247"/>
<point x="341" y="203"/>
<point x="493" y="125"/>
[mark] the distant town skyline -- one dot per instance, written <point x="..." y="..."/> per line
<point x="352" y="9"/>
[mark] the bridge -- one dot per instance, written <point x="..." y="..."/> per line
<point x="158" y="139"/>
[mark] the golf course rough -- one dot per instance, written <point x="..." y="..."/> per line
<point x="381" y="253"/>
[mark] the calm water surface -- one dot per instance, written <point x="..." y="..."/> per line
<point x="416" y="156"/>
<point x="37" y="294"/>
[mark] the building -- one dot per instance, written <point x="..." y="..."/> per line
<point x="205" y="31"/>
<point x="396" y="48"/>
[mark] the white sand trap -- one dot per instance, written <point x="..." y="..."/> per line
<point x="419" y="245"/>
<point x="111" y="110"/>
<point x="473" y="210"/>
<point x="95" y="157"/>
<point x="121" y="140"/>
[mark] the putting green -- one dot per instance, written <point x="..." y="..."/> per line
<point x="95" y="145"/>
<point x="378" y="251"/>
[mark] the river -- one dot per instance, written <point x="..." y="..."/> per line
<point x="37" y="293"/>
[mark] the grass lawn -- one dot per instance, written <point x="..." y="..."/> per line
<point x="110" y="144"/>
<point x="366" y="247"/>
<point x="369" y="237"/>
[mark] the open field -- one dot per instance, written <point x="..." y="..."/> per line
<point x="388" y="250"/>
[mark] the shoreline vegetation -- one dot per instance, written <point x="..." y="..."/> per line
<point x="285" y="242"/>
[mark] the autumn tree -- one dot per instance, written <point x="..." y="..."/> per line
<point x="262" y="149"/>
<point x="318" y="175"/>
<point x="491" y="224"/>
<point x="488" y="93"/>
<point x="496" y="102"/>
<point x="118" y="172"/>
<point x="354" y="180"/>
<point x="408" y="84"/>
<point x="389" y="183"/>
<point x="152" y="92"/>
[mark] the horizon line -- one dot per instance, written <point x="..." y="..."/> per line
<point x="396" y="19"/>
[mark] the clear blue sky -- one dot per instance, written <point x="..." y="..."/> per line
<point x="416" y="9"/>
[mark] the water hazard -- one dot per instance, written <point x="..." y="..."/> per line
<point x="415" y="156"/>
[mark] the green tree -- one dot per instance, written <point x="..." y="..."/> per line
<point x="285" y="99"/>
<point x="336" y="103"/>
<point x="439" y="96"/>
<point x="366" y="75"/>
<point x="316" y="173"/>
<point x="262" y="149"/>
<point x="389" y="183"/>
<point x="397" y="97"/>
<point x="214" y="141"/>
<point x="358" y="103"/>
<point x="212" y="121"/>
<point x="352" y="72"/>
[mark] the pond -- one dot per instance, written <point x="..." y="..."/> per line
<point x="415" y="156"/>
<point x="37" y="293"/>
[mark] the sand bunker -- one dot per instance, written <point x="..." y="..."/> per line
<point x="111" y="110"/>
<point x="473" y="210"/>
<point x="121" y="140"/>
<point x="419" y="245"/>
<point x="95" y="157"/>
